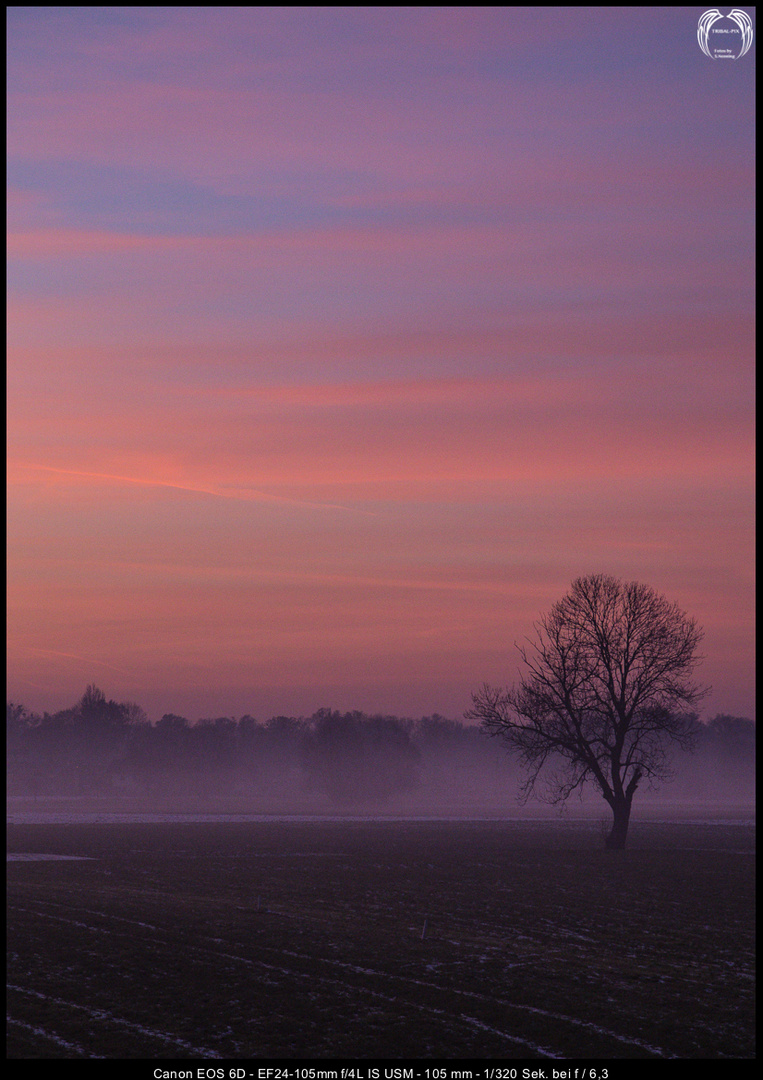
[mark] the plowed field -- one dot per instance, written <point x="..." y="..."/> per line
<point x="365" y="939"/>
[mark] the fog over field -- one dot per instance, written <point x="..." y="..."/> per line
<point x="344" y="886"/>
<point x="325" y="764"/>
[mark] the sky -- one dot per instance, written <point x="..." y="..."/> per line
<point x="342" y="340"/>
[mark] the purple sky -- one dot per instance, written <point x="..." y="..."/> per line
<point x="343" y="339"/>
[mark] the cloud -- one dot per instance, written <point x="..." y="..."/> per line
<point x="341" y="340"/>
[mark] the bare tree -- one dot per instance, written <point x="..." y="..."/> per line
<point x="608" y="689"/>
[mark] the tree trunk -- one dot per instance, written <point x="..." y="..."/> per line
<point x="621" y="815"/>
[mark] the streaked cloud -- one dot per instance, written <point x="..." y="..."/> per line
<point x="341" y="340"/>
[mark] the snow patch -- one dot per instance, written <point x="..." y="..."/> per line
<point x="36" y="856"/>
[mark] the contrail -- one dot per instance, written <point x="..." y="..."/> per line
<point x="82" y="659"/>
<point x="241" y="494"/>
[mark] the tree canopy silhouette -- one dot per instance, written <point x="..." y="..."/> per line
<point x="608" y="688"/>
<point x="360" y="759"/>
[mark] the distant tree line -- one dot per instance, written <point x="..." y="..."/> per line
<point x="99" y="746"/>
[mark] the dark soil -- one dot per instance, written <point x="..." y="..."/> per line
<point x="308" y="940"/>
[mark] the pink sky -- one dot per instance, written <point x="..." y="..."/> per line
<point x="342" y="340"/>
